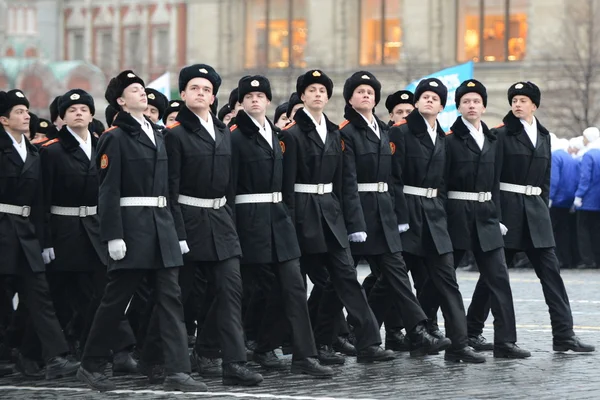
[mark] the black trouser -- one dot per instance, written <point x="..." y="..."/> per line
<point x="223" y="323"/>
<point x="343" y="290"/>
<point x="393" y="288"/>
<point x="564" y="226"/>
<point x="442" y="280"/>
<point x="286" y="299"/>
<point x="381" y="295"/>
<point x="494" y="272"/>
<point x="42" y="326"/>
<point x="546" y="268"/>
<point x="166" y="327"/>
<point x="139" y="311"/>
<point x="259" y="284"/>
<point x="589" y="237"/>
<point x="81" y="291"/>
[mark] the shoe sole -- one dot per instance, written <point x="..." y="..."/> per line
<point x="123" y="373"/>
<point x="85" y="380"/>
<point x="487" y="348"/>
<point x="510" y="355"/>
<point x="177" y="388"/>
<point x="564" y="349"/>
<point x="324" y="361"/>
<point x="209" y="374"/>
<point x="365" y="360"/>
<point x="241" y="382"/>
<point x="347" y="353"/>
<point x="300" y="370"/>
<point x="459" y="359"/>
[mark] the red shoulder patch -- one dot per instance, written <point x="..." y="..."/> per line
<point x="499" y="126"/>
<point x="49" y="142"/>
<point x="173" y="125"/>
<point x="401" y="122"/>
<point x="343" y="145"/>
<point x="232" y="128"/>
<point x="282" y="145"/>
<point x="288" y="126"/>
<point x="104" y="161"/>
<point x="449" y="132"/>
<point x="110" y="129"/>
<point x="344" y="123"/>
<point x="393" y="147"/>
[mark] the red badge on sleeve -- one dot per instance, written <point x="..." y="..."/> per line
<point x="393" y="147"/>
<point x="104" y="161"/>
<point x="343" y="145"/>
<point x="282" y="146"/>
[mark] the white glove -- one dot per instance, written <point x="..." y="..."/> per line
<point x="403" y="228"/>
<point x="503" y="229"/>
<point x="184" y="247"/>
<point x="117" y="249"/>
<point x="578" y="202"/>
<point x="358" y="237"/>
<point x="48" y="255"/>
<point x="549" y="203"/>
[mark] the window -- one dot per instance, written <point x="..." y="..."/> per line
<point x="381" y="35"/>
<point x="276" y="33"/>
<point x="161" y="47"/>
<point x="133" y="48"/>
<point x="106" y="48"/>
<point x="491" y="30"/>
<point x="78" y="46"/>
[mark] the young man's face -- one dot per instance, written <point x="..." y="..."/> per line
<point x="282" y="121"/>
<point x="17" y="120"/>
<point x="522" y="107"/>
<point x="198" y="95"/>
<point x="152" y="113"/>
<point x="78" y="116"/>
<point x="315" y="97"/>
<point x="400" y="112"/>
<point x="429" y="104"/>
<point x="295" y="110"/>
<point x="171" y="118"/>
<point x="471" y="107"/>
<point x="255" y="104"/>
<point x="363" y="99"/>
<point x="134" y="98"/>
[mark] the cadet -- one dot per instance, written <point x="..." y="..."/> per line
<point x="399" y="105"/>
<point x="157" y="105"/>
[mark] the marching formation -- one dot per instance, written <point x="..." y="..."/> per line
<point x="163" y="251"/>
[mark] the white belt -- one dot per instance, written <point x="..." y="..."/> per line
<point x="81" y="211"/>
<point x="202" y="203"/>
<point x="320" y="188"/>
<point x="481" y="197"/>
<point x="380" y="187"/>
<point x="521" y="189"/>
<point x="423" y="192"/>
<point x="275" y="197"/>
<point x="23" y="211"/>
<point x="160" y="201"/>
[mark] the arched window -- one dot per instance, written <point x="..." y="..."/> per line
<point x="380" y="32"/>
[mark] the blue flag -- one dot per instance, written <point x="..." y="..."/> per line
<point x="451" y="77"/>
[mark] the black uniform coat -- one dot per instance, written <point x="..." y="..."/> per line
<point x="526" y="217"/>
<point x="368" y="159"/>
<point x="310" y="161"/>
<point x="266" y="230"/>
<point x="71" y="180"/>
<point x="130" y="165"/>
<point x="200" y="166"/>
<point x="20" y="185"/>
<point x="418" y="162"/>
<point x="470" y="169"/>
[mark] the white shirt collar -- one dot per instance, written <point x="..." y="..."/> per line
<point x="86" y="145"/>
<point x="321" y="128"/>
<point x="208" y="125"/>
<point x="432" y="130"/>
<point x="147" y="128"/>
<point x="265" y="131"/>
<point x="477" y="134"/>
<point x="20" y="147"/>
<point x="531" y="130"/>
<point x="373" y="125"/>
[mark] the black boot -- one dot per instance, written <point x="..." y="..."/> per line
<point x="423" y="343"/>
<point x="466" y="354"/>
<point x="269" y="360"/>
<point x="28" y="368"/>
<point x="327" y="355"/>
<point x="509" y="350"/>
<point x="184" y="383"/>
<point x="154" y="372"/>
<point x="573" y="343"/>
<point x="396" y="341"/>
<point x="479" y="343"/>
<point x="343" y="345"/>
<point x="311" y="366"/>
<point x="124" y="364"/>
<point x="374" y="353"/>
<point x="237" y="374"/>
<point x="96" y="380"/>
<point x="57" y="367"/>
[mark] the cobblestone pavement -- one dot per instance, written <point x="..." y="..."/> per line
<point x="546" y="375"/>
